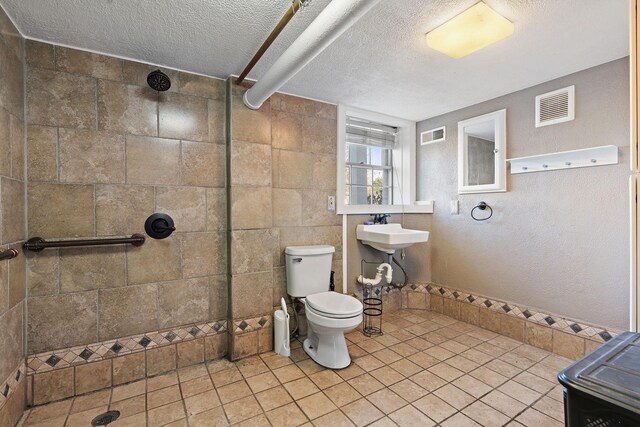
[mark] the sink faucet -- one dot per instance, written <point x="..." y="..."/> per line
<point x="380" y="218"/>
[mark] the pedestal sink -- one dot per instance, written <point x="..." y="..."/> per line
<point x="389" y="237"/>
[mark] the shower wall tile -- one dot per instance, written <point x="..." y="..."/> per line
<point x="100" y="169"/>
<point x="42" y="272"/>
<point x="121" y="209"/>
<point x="18" y="282"/>
<point x="249" y="125"/>
<point x="17" y="147"/>
<point x="303" y="106"/>
<point x="292" y="169"/>
<point x="203" y="164"/>
<point x="88" y="64"/>
<point x="11" y="82"/>
<point x="49" y="318"/>
<point x="127" y="109"/>
<point x="251" y="207"/>
<point x="186" y="205"/>
<point x="252" y="294"/>
<point x="319" y="135"/>
<point x="216" y="209"/>
<point x="183" y="117"/>
<point x="95" y="376"/>
<point x="183" y="302"/>
<point x="218" y="291"/>
<point x="61" y="99"/>
<point x="314" y="208"/>
<point x="60" y="210"/>
<point x="155" y="261"/>
<point x="251" y="251"/>
<point x="217" y="123"/>
<point x="91" y="157"/>
<point x="5" y="143"/>
<point x="11" y="340"/>
<point x="128" y="368"/>
<point x="204" y="254"/>
<point x="82" y="270"/>
<point x="250" y="164"/>
<point x="12" y="193"/>
<point x="194" y="84"/>
<point x="286" y="130"/>
<point x="12" y="223"/>
<point x="128" y="310"/>
<point x="42" y="153"/>
<point x="287" y="207"/>
<point x="152" y="160"/>
<point x="54" y="385"/>
<point x="39" y="55"/>
<point x="324" y="172"/>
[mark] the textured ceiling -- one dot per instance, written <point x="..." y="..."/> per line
<point x="382" y="63"/>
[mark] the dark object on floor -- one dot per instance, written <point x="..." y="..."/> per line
<point x="105" y="418"/>
<point x="159" y="81"/>
<point x="159" y="226"/>
<point x="603" y="388"/>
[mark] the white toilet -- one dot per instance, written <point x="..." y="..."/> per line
<point x="329" y="314"/>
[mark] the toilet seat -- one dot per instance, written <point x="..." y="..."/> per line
<point x="333" y="305"/>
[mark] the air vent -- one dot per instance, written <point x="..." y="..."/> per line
<point x="555" y="107"/>
<point x="433" y="135"/>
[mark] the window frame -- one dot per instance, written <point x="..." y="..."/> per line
<point x="371" y="167"/>
<point x="403" y="162"/>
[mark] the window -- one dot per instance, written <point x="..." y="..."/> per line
<point x="376" y="164"/>
<point x="369" y="163"/>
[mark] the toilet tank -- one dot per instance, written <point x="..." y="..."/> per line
<point x="308" y="269"/>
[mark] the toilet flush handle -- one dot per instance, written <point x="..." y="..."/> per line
<point x="297" y="260"/>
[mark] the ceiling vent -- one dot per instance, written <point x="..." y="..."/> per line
<point x="555" y="107"/>
<point x="433" y="135"/>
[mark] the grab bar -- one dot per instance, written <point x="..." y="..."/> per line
<point x="8" y="254"/>
<point x="36" y="244"/>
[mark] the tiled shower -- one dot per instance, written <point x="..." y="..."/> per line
<point x="92" y="152"/>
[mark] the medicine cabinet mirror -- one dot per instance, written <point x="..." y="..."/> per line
<point x="482" y="143"/>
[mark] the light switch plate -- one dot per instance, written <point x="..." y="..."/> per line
<point x="331" y="203"/>
<point x="455" y="207"/>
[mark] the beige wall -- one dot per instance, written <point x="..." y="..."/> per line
<point x="282" y="169"/>
<point x="105" y="152"/>
<point x="558" y="240"/>
<point x="12" y="213"/>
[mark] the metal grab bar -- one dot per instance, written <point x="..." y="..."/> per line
<point x="36" y="244"/>
<point x="8" y="254"/>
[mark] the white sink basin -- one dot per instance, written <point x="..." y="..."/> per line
<point x="389" y="237"/>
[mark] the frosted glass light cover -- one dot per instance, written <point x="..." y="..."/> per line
<point x="473" y="29"/>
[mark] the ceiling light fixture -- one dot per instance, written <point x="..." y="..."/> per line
<point x="473" y="29"/>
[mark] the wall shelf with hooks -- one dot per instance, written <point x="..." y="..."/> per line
<point x="586" y="157"/>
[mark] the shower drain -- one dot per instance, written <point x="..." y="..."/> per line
<point x="106" y="418"/>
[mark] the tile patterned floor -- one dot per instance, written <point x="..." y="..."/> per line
<point x="426" y="370"/>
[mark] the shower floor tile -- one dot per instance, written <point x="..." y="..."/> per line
<point x="436" y="371"/>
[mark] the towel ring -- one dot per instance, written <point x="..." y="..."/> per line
<point x="482" y="206"/>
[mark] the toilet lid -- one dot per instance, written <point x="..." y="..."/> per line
<point x="333" y="304"/>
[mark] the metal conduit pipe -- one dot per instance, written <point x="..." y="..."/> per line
<point x="334" y="20"/>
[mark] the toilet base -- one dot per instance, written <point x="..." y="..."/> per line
<point x="328" y="350"/>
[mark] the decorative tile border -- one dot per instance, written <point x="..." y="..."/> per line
<point x="241" y="326"/>
<point x="63" y="358"/>
<point x="12" y="383"/>
<point x="591" y="332"/>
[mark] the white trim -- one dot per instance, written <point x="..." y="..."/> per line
<point x="500" y="166"/>
<point x="344" y="254"/>
<point x="635" y="256"/>
<point x="404" y="165"/>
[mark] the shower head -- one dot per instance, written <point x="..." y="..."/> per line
<point x="159" y="81"/>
